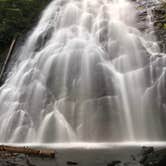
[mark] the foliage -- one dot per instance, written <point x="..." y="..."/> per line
<point x="17" y="17"/>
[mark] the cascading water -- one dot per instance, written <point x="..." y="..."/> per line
<point x="86" y="73"/>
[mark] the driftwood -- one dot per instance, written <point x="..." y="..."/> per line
<point x="8" y="57"/>
<point x="28" y="151"/>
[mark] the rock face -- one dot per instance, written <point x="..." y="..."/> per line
<point x="151" y="19"/>
<point x="158" y="11"/>
<point x="160" y="25"/>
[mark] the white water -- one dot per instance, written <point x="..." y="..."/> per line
<point x="85" y="74"/>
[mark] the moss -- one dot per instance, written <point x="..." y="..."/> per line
<point x="164" y="26"/>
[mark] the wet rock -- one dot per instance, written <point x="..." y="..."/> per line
<point x="154" y="106"/>
<point x="153" y="158"/>
<point x="68" y="108"/>
<point x="160" y="20"/>
<point x="43" y="38"/>
<point x="72" y="163"/>
<point x="100" y="119"/>
<point x="114" y="163"/>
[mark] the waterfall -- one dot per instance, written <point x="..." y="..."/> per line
<point x="86" y="73"/>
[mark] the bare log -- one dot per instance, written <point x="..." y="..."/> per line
<point x="8" y="57"/>
<point x="28" y="151"/>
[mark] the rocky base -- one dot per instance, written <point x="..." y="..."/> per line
<point x="147" y="156"/>
<point x="24" y="156"/>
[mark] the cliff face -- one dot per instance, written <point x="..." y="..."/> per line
<point x="160" y="25"/>
<point x="158" y="11"/>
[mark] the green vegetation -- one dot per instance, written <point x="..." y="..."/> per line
<point x="16" y="18"/>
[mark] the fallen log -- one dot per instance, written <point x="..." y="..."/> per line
<point x="28" y="151"/>
<point x="9" y="54"/>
